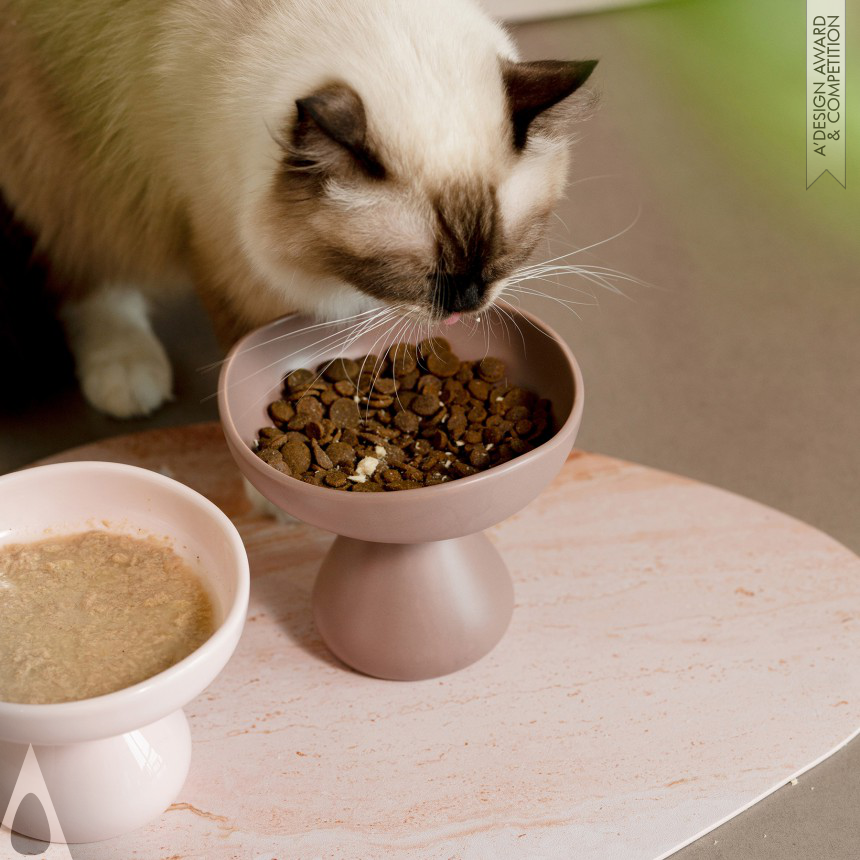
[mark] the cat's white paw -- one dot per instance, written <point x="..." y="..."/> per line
<point x="128" y="376"/>
<point x="122" y="366"/>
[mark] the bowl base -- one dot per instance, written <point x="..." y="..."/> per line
<point x="96" y="789"/>
<point x="407" y="612"/>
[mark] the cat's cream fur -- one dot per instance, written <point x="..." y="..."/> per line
<point x="143" y="142"/>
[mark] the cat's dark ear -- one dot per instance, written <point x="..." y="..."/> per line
<point x="330" y="125"/>
<point x="535" y="87"/>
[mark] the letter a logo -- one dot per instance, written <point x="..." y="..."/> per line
<point x="31" y="781"/>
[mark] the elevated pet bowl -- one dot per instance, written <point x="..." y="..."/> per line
<point x="411" y="588"/>
<point x="111" y="763"/>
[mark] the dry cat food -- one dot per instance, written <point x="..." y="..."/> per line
<point x="91" y="613"/>
<point x="415" y="417"/>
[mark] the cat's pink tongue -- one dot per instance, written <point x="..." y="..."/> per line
<point x="451" y="319"/>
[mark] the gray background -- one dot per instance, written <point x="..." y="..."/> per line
<point x="739" y="366"/>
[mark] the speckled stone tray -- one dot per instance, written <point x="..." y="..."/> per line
<point x="676" y="652"/>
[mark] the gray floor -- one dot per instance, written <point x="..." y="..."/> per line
<point x="738" y="367"/>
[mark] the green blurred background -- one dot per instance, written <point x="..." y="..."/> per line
<point x="737" y="69"/>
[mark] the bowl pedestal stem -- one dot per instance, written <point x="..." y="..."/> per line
<point x="96" y="789"/>
<point x="407" y="612"/>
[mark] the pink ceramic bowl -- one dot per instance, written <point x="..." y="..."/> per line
<point x="411" y="588"/>
<point x="113" y="762"/>
<point x="537" y="358"/>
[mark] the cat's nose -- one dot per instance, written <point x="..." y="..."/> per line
<point x="460" y="293"/>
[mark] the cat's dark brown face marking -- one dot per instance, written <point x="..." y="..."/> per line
<point x="467" y="238"/>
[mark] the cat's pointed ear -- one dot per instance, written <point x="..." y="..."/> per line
<point x="331" y="123"/>
<point x="535" y="87"/>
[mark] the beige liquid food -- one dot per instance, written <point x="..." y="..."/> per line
<point x="91" y="613"/>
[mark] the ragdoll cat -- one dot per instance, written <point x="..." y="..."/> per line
<point x="324" y="156"/>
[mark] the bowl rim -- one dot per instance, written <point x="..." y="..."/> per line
<point x="570" y="424"/>
<point x="126" y="697"/>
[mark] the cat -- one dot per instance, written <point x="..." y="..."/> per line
<point x="321" y="156"/>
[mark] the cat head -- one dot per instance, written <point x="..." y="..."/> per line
<point x="425" y="213"/>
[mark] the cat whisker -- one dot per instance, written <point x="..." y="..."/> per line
<point x="499" y="305"/>
<point x="404" y="322"/>
<point x="341" y="348"/>
<point x="620" y="233"/>
<point x="552" y="279"/>
<point x="534" y="291"/>
<point x="526" y="319"/>
<point x="342" y="334"/>
<point x="566" y="303"/>
<point x="611" y="288"/>
<point x="603" y="272"/>
<point x="211" y="366"/>
<point x="370" y="325"/>
<point x="497" y="317"/>
<point x="355" y="333"/>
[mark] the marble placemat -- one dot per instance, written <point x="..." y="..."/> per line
<point x="676" y="652"/>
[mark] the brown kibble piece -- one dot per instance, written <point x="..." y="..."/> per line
<point x="478" y="388"/>
<point x="516" y="413"/>
<point x="479" y="457"/>
<point x="433" y="346"/>
<point x="477" y="414"/>
<point x="457" y="424"/>
<point x="517" y="397"/>
<point x="298" y="422"/>
<point x="409" y="381"/>
<point x="523" y="428"/>
<point x="344" y="388"/>
<point x="281" y="411"/>
<point x="422" y="447"/>
<point x="270" y="456"/>
<point x="335" y="478"/>
<point x="425" y="404"/>
<point x="311" y="407"/>
<point x="299" y="379"/>
<point x="492" y="435"/>
<point x="341" y="369"/>
<point x="439" y="440"/>
<point x="443" y="364"/>
<point x="403" y="359"/>
<point x="367" y="487"/>
<point x="341" y="454"/>
<point x="297" y="455"/>
<point x="320" y="456"/>
<point x="384" y="385"/>
<point x="491" y="369"/>
<point x="314" y="430"/>
<point x="465" y="373"/>
<point x="274" y="441"/>
<point x="407" y="421"/>
<point x="404" y="485"/>
<point x="428" y="384"/>
<point x="344" y="412"/>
